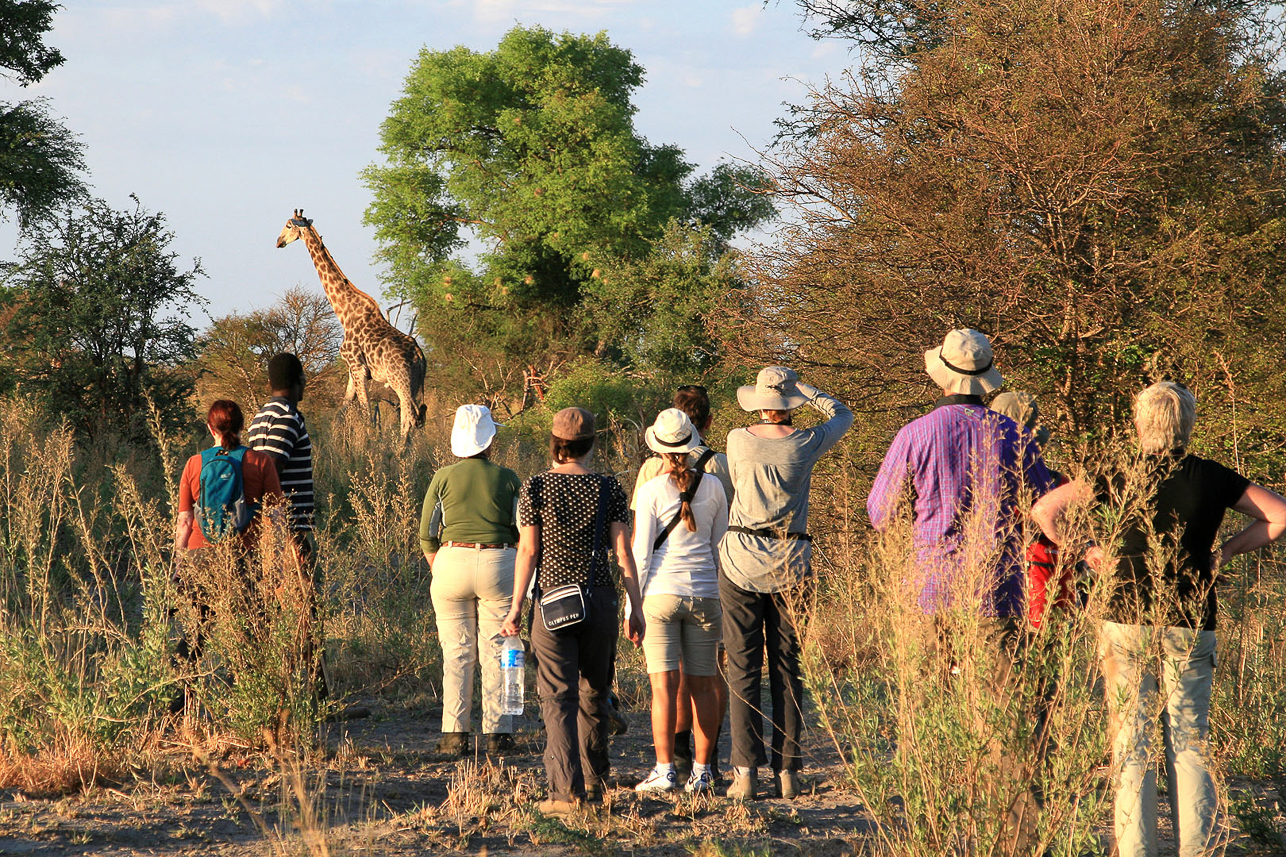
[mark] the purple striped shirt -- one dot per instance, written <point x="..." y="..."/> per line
<point x="964" y="470"/>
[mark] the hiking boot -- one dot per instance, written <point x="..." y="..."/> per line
<point x="616" y="724"/>
<point x="499" y="743"/>
<point x="558" y="808"/>
<point x="786" y="784"/>
<point x="699" y="783"/>
<point x="454" y="744"/>
<point x="659" y="780"/>
<point x="743" y="784"/>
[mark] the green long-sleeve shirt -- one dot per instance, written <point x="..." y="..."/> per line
<point x="472" y="500"/>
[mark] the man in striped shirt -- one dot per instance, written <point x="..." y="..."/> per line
<point x="279" y="431"/>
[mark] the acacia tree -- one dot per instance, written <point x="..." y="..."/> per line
<point x="97" y="320"/>
<point x="529" y="149"/>
<point x="39" y="158"/>
<point x="1095" y="184"/>
<point x="235" y="350"/>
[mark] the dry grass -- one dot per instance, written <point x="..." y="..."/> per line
<point x="90" y="614"/>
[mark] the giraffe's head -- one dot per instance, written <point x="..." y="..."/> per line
<point x="294" y="228"/>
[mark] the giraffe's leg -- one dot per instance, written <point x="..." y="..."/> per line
<point x="405" y="406"/>
<point x="356" y="377"/>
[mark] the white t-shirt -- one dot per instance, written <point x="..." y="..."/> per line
<point x="686" y="564"/>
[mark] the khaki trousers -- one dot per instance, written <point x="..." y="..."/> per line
<point x="471" y="590"/>
<point x="1139" y="662"/>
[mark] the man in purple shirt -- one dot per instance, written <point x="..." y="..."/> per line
<point x="961" y="474"/>
<point x="963" y="471"/>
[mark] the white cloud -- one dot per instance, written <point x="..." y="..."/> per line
<point x="490" y="11"/>
<point x="236" y="11"/>
<point x="746" y="19"/>
<point x="824" y="50"/>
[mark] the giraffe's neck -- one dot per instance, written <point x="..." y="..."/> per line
<point x="348" y="301"/>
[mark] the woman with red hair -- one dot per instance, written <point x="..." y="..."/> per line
<point x="197" y="528"/>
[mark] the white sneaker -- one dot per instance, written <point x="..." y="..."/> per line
<point x="658" y="780"/>
<point x="698" y="783"/>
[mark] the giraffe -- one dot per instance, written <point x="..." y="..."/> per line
<point x="372" y="348"/>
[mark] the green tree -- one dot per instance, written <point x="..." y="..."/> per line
<point x="39" y="158"/>
<point x="531" y="151"/>
<point x="1096" y="185"/>
<point x="97" y="320"/>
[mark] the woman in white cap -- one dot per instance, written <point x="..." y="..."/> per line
<point x="469" y="534"/>
<point x="681" y="516"/>
<point x="766" y="560"/>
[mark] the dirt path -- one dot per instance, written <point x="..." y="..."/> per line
<point x="385" y="791"/>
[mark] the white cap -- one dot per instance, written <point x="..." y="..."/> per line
<point x="473" y="430"/>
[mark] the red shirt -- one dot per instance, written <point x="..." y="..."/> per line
<point x="259" y="477"/>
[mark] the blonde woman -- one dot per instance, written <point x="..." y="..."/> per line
<point x="681" y="516"/>
<point x="1170" y="611"/>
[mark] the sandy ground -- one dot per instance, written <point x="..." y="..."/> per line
<point x="383" y="790"/>
<point x="387" y="792"/>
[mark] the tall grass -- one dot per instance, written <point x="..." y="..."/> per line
<point x="92" y="606"/>
<point x="926" y="729"/>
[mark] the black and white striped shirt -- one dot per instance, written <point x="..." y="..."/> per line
<point x="278" y="430"/>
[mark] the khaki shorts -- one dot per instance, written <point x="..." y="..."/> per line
<point x="682" y="632"/>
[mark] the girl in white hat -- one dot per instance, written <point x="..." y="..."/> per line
<point x="681" y="516"/>
<point x="469" y="534"/>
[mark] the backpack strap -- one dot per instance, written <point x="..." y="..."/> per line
<point x="684" y="496"/>
<point x="700" y="465"/>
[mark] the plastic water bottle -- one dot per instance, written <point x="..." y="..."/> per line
<point x="513" y="661"/>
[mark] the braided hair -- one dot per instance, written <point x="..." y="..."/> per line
<point x="685" y="478"/>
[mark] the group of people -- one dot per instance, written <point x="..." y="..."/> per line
<point x="716" y="567"/>
<point x="961" y="475"/>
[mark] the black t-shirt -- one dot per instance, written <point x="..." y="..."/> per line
<point x="565" y="506"/>
<point x="1179" y="500"/>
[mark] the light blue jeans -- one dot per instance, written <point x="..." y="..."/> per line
<point x="1140" y="662"/>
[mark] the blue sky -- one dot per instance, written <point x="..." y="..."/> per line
<point x="228" y="114"/>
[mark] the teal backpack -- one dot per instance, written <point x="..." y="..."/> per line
<point x="222" y="506"/>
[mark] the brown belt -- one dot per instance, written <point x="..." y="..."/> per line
<point x="477" y="546"/>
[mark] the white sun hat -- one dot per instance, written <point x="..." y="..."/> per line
<point x="672" y="432"/>
<point x="963" y="363"/>
<point x="472" y="431"/>
<point x="775" y="389"/>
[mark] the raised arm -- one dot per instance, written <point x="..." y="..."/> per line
<point x="1268" y="509"/>
<point x="839" y="418"/>
<point x="1049" y="511"/>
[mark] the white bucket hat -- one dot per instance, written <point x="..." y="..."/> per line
<point x="775" y="389"/>
<point x="963" y="364"/>
<point x="472" y="431"/>
<point x="673" y="431"/>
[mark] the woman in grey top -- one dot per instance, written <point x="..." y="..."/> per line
<point x="766" y="562"/>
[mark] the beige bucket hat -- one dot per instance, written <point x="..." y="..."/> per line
<point x="472" y="431"/>
<point x="672" y="432"/>
<point x="775" y="389"/>
<point x="963" y="364"/>
<point x="1020" y="406"/>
